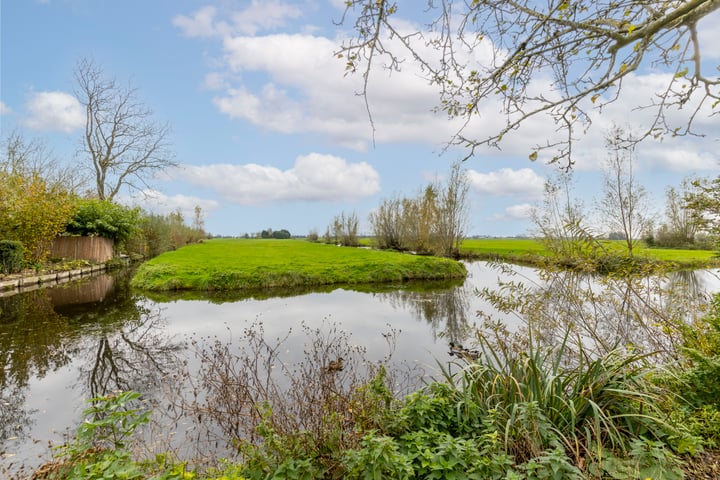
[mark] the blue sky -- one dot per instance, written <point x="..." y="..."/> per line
<point x="269" y="132"/>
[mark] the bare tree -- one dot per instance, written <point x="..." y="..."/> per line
<point x="586" y="50"/>
<point x="453" y="211"/>
<point x="30" y="158"/>
<point x="680" y="227"/>
<point x="125" y="146"/>
<point x="623" y="204"/>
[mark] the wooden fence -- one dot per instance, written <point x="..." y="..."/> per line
<point x="94" y="249"/>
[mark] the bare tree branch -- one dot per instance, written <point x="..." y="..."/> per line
<point x="125" y="147"/>
<point x="587" y="49"/>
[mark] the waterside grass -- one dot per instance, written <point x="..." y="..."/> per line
<point x="532" y="251"/>
<point x="244" y="264"/>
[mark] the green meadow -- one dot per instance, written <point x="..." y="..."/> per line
<point x="530" y="251"/>
<point x="244" y="264"/>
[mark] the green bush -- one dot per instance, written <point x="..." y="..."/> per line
<point x="103" y="218"/>
<point x="11" y="256"/>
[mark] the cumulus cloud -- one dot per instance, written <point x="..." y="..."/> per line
<point x="54" y="111"/>
<point x="294" y="83"/>
<point x="314" y="177"/>
<point x="680" y="159"/>
<point x="522" y="211"/>
<point x="4" y="109"/>
<point x="201" y="23"/>
<point x="259" y="15"/>
<point x="522" y="183"/>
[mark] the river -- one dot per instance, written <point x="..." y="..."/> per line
<point x="63" y="345"/>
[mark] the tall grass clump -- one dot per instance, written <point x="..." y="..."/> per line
<point x="529" y="415"/>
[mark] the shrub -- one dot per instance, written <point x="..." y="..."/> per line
<point x="11" y="256"/>
<point x="533" y="412"/>
<point x="103" y="218"/>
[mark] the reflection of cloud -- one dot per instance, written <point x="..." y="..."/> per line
<point x="314" y="177"/>
<point x="522" y="183"/>
<point x="54" y="111"/>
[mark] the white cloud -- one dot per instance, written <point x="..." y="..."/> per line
<point x="259" y="15"/>
<point x="303" y="89"/>
<point x="314" y="177"/>
<point x="522" y="211"/>
<point x="522" y="183"/>
<point x="264" y="15"/>
<point x="679" y="159"/>
<point x="4" y="109"/>
<point x="54" y="111"/>
<point x="160" y="203"/>
<point x="294" y="83"/>
<point x="201" y="23"/>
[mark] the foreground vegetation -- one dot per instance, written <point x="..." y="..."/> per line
<point x="239" y="264"/>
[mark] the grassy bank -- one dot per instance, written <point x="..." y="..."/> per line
<point x="527" y="250"/>
<point x="239" y="264"/>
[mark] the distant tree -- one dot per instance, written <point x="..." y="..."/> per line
<point x="624" y="204"/>
<point x="386" y="221"/>
<point x="345" y="229"/>
<point x="281" y="234"/>
<point x="561" y="220"/>
<point x="312" y="235"/>
<point x="703" y="202"/>
<point x="452" y="211"/>
<point x="198" y="219"/>
<point x="432" y="222"/>
<point x="679" y="229"/>
<point x="124" y="146"/>
<point x="556" y="58"/>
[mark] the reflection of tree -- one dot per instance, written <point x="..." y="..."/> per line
<point x="444" y="309"/>
<point x="134" y="358"/>
<point x="601" y="313"/>
<point x="32" y="338"/>
<point x="44" y="330"/>
<point x="13" y="416"/>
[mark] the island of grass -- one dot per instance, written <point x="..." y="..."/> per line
<point x="243" y="264"/>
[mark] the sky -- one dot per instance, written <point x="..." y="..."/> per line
<point x="269" y="132"/>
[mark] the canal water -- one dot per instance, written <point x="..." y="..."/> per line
<point x="63" y="345"/>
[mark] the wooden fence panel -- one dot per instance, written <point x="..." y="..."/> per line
<point x="94" y="249"/>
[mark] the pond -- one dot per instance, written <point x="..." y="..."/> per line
<point x="60" y="346"/>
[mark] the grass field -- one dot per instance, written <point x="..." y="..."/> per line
<point x="240" y="264"/>
<point x="526" y="249"/>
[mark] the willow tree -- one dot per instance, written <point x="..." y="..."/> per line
<point x="561" y="58"/>
<point x="122" y="142"/>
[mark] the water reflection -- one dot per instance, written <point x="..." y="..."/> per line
<point x="597" y="313"/>
<point x="62" y="345"/>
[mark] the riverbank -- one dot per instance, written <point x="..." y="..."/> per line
<point x="31" y="279"/>
<point x="528" y="251"/>
<point x="243" y="264"/>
